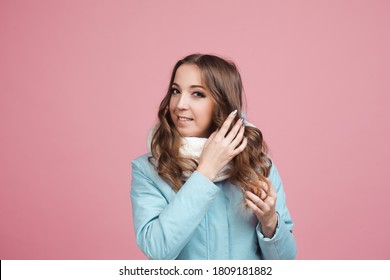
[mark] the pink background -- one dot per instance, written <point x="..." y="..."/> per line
<point x="80" y="84"/>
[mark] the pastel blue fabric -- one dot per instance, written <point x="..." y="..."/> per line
<point x="204" y="220"/>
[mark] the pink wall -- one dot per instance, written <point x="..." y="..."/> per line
<point x="80" y="82"/>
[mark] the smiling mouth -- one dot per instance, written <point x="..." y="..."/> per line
<point x="184" y="119"/>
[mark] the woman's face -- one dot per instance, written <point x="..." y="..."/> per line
<point x="191" y="105"/>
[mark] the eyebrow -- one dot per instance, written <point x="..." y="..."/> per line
<point x="192" y="86"/>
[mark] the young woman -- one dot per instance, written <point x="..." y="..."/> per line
<point x="208" y="189"/>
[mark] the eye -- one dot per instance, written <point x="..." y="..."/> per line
<point x="198" y="94"/>
<point x="174" y="91"/>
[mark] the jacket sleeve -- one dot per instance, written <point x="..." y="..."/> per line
<point x="282" y="244"/>
<point x="163" y="229"/>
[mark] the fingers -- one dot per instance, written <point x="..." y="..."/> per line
<point x="240" y="148"/>
<point x="211" y="137"/>
<point x="264" y="205"/>
<point x="235" y="129"/>
<point x="225" y="127"/>
<point x="264" y="189"/>
<point x="263" y="194"/>
<point x="271" y="188"/>
<point x="238" y="136"/>
<point x="255" y="200"/>
<point x="228" y="147"/>
<point x="254" y="208"/>
<point x="265" y="212"/>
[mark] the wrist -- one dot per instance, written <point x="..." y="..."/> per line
<point x="209" y="175"/>
<point x="268" y="229"/>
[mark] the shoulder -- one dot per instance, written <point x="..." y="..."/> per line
<point x="143" y="164"/>
<point x="142" y="167"/>
<point x="274" y="175"/>
<point x="145" y="178"/>
<point x="141" y="160"/>
<point x="273" y="170"/>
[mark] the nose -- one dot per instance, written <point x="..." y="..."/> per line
<point x="183" y="102"/>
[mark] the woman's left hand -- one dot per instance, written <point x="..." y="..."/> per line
<point x="264" y="209"/>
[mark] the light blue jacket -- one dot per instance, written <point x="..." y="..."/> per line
<point x="204" y="220"/>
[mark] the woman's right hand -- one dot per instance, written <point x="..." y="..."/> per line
<point x="220" y="147"/>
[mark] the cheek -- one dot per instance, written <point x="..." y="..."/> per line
<point x="210" y="110"/>
<point x="171" y="105"/>
<point x="207" y="114"/>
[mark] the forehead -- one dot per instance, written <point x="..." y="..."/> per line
<point x="188" y="74"/>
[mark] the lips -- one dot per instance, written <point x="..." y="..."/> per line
<point x="182" y="118"/>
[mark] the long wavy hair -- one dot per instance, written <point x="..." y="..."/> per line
<point x="222" y="79"/>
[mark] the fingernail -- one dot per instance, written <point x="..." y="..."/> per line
<point x="243" y="122"/>
<point x="234" y="112"/>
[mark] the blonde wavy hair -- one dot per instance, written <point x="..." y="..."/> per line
<point x="222" y="79"/>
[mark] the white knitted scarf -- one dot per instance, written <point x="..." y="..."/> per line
<point x="192" y="147"/>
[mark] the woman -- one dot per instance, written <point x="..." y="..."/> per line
<point x="208" y="189"/>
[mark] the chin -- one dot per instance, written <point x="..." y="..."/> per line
<point x="188" y="133"/>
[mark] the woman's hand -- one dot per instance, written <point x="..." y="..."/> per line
<point x="264" y="209"/>
<point x="221" y="147"/>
